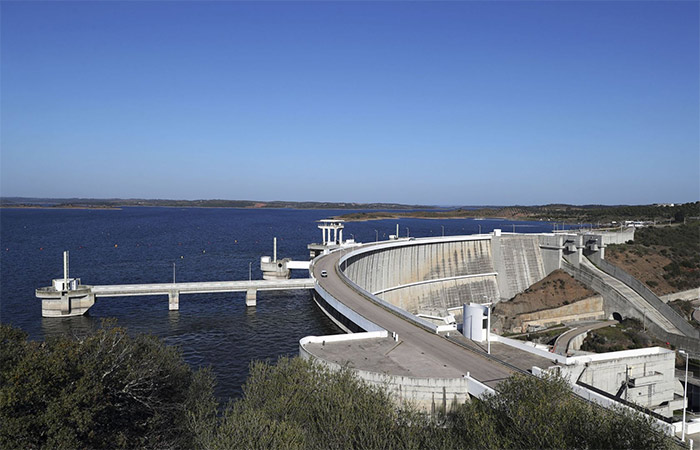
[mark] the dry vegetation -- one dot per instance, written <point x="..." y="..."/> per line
<point x="667" y="259"/>
<point x="626" y="335"/>
<point x="555" y="290"/>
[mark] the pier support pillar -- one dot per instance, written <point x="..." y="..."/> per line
<point x="173" y="300"/>
<point x="251" y="297"/>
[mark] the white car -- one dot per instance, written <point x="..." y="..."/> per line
<point x="324" y="274"/>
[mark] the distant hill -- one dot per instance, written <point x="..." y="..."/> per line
<point x="32" y="202"/>
<point x="592" y="214"/>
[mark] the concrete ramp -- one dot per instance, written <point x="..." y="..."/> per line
<point x="636" y="301"/>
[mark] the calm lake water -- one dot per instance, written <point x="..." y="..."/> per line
<point x="140" y="245"/>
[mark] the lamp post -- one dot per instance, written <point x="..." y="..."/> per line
<point x="443" y="230"/>
<point x="173" y="273"/>
<point x="250" y="271"/>
<point x="376" y="236"/>
<point x="408" y="233"/>
<point x="479" y="228"/>
<point x="685" y="394"/>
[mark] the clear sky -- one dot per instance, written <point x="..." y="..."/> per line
<point x="450" y="103"/>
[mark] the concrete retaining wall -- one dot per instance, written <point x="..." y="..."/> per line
<point x="590" y="308"/>
<point x="615" y="302"/>
<point x="689" y="295"/>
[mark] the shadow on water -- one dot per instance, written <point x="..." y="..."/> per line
<point x="72" y="326"/>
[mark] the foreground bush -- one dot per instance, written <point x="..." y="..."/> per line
<point x="110" y="390"/>
<point x="299" y="404"/>
<point x="106" y="390"/>
<point x="530" y="412"/>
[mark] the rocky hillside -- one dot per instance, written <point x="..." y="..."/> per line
<point x="666" y="258"/>
<point x="555" y="290"/>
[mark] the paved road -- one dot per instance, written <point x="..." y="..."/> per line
<point x="440" y="349"/>
<point x="637" y="300"/>
<point x="120" y="290"/>
<point x="561" y="345"/>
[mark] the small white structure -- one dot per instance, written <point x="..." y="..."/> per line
<point x="475" y="322"/>
<point x="334" y="228"/>
<point x="272" y="268"/>
<point x="65" y="284"/>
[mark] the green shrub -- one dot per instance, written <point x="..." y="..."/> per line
<point x="106" y="390"/>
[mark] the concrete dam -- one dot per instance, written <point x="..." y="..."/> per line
<point x="436" y="275"/>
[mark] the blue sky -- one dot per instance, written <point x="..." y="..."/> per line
<point x="417" y="102"/>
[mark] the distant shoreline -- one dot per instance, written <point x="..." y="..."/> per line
<point x="108" y="208"/>
<point x="409" y="216"/>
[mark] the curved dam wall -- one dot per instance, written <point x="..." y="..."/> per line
<point x="428" y="276"/>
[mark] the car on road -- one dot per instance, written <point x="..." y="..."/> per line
<point x="324" y="274"/>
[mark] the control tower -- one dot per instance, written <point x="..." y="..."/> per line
<point x="332" y="237"/>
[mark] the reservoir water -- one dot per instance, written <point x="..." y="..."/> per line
<point x="140" y="245"/>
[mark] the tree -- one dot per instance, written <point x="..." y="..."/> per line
<point x="530" y="412"/>
<point x="301" y="404"/>
<point x="104" y="390"/>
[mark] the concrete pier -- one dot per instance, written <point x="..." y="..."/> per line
<point x="77" y="301"/>
<point x="251" y="297"/>
<point x="173" y="300"/>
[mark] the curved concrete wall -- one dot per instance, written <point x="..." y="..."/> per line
<point x="427" y="393"/>
<point x="428" y="276"/>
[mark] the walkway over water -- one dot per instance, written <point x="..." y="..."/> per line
<point x="79" y="298"/>
<point x="205" y="287"/>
